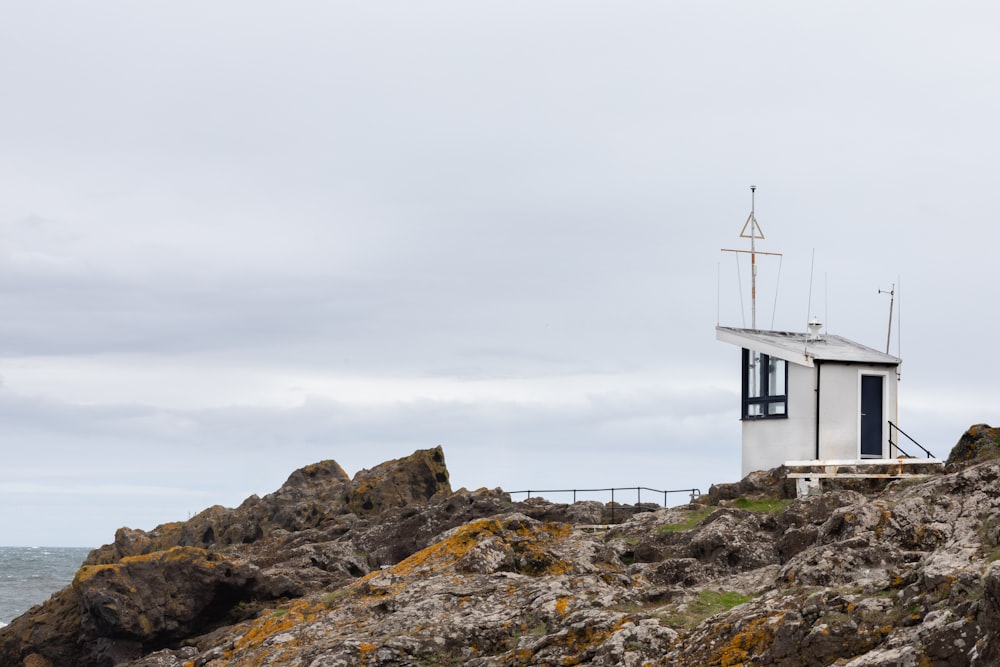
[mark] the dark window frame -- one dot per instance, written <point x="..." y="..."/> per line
<point x="766" y="400"/>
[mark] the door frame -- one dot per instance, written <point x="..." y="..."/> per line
<point x="882" y="402"/>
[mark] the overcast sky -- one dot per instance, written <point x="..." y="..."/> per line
<point x="240" y="237"/>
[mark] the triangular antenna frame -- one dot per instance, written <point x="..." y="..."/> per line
<point x="755" y="231"/>
<point x="751" y="230"/>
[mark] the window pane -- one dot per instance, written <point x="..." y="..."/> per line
<point x="754" y="410"/>
<point x="776" y="379"/>
<point x="754" y="379"/>
<point x="776" y="408"/>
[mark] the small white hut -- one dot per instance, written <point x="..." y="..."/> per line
<point x="812" y="396"/>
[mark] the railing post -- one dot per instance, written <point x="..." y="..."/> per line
<point x="528" y="494"/>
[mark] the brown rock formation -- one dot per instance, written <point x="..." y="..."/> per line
<point x="979" y="443"/>
<point x="148" y="590"/>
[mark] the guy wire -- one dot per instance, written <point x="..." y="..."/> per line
<point x="776" y="286"/>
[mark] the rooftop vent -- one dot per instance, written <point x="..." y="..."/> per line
<point x="814" y="328"/>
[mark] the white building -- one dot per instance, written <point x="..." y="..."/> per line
<point x="807" y="396"/>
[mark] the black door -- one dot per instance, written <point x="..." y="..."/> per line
<point x="871" y="415"/>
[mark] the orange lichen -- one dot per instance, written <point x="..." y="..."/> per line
<point x="166" y="535"/>
<point x="580" y="639"/>
<point x="884" y="517"/>
<point x="279" y="621"/>
<point x="366" y="650"/>
<point x="449" y="550"/>
<point x="88" y="571"/>
<point x="528" y="542"/>
<point x="562" y="606"/>
<point x="753" y="640"/>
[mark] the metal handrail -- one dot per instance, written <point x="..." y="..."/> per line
<point x="908" y="437"/>
<point x="694" y="493"/>
<point x="906" y="455"/>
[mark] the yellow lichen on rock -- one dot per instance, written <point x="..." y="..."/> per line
<point x="88" y="571"/>
<point x="751" y="641"/>
<point x="444" y="553"/>
<point x="280" y="620"/>
<point x="527" y="540"/>
<point x="366" y="651"/>
<point x="580" y="638"/>
<point x="562" y="606"/>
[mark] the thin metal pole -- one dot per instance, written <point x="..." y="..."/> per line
<point x="753" y="258"/>
<point x="892" y="299"/>
<point x="739" y="282"/>
<point x="809" y="302"/>
<point x="774" y="310"/>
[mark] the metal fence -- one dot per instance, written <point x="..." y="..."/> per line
<point x="692" y="493"/>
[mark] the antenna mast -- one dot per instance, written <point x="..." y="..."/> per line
<point x="892" y="298"/>
<point x="751" y="230"/>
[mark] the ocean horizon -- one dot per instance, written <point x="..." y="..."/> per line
<point x="30" y="575"/>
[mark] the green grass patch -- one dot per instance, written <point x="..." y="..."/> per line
<point x="689" y="522"/>
<point x="708" y="603"/>
<point x="769" y="505"/>
<point x="331" y="599"/>
<point x="712" y="602"/>
<point x="630" y="607"/>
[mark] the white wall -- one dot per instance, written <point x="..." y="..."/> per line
<point x="768" y="443"/>
<point x="840" y="419"/>
<point x="840" y="413"/>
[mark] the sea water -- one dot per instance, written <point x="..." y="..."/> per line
<point x="29" y="575"/>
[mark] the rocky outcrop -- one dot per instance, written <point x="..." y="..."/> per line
<point x="761" y="483"/>
<point x="979" y="443"/>
<point x="320" y="497"/>
<point x="149" y="590"/>
<point x="393" y="568"/>
<point x="158" y="599"/>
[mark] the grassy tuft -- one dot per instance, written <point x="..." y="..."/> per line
<point x="708" y="603"/>
<point x="692" y="519"/>
<point x="769" y="505"/>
